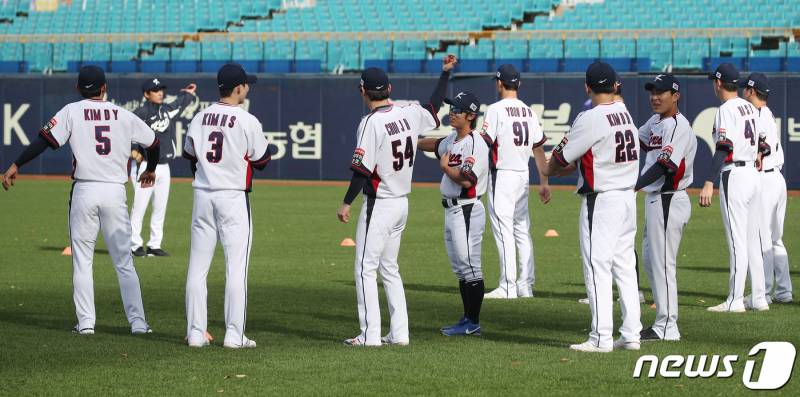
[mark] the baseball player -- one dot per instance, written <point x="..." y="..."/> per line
<point x="738" y="143"/>
<point x="224" y="144"/>
<point x="100" y="136"/>
<point x="602" y="144"/>
<point x="666" y="175"/>
<point x="382" y="166"/>
<point x="512" y="130"/>
<point x="464" y="159"/>
<point x="159" y="116"/>
<point x="773" y="195"/>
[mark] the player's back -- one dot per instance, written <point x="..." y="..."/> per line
<point x="100" y="136"/>
<point x="222" y="138"/>
<point x="766" y="123"/>
<point x="736" y="125"/>
<point x="612" y="162"/>
<point x="515" y="131"/>
<point x="388" y="145"/>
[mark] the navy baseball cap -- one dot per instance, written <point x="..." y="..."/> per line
<point x="600" y="74"/>
<point x="91" y="77"/>
<point x="231" y="75"/>
<point x="726" y="72"/>
<point x="757" y="81"/>
<point x="464" y="101"/>
<point x="153" y="84"/>
<point x="663" y="82"/>
<point x="507" y="73"/>
<point x="374" y="79"/>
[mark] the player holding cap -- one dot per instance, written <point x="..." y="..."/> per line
<point x="738" y="144"/>
<point x="773" y="195"/>
<point x="382" y="166"/>
<point x="224" y="144"/>
<point x="100" y="135"/>
<point x="464" y="159"/>
<point x="666" y="175"/>
<point x="512" y="131"/>
<point x="159" y="116"/>
<point x="604" y="145"/>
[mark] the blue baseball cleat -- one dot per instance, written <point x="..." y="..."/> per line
<point x="468" y="328"/>
<point x="460" y="322"/>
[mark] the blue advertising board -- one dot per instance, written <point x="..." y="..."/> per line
<point x="311" y="120"/>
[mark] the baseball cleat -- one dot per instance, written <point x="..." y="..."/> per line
<point x="749" y="306"/>
<point x="641" y="297"/>
<point x="524" y="293"/>
<point x="589" y="347"/>
<point x="82" y="331"/>
<point x="467" y="329"/>
<point x="585" y="301"/>
<point x="460" y="322"/>
<point x="138" y="252"/>
<point x="245" y="344"/>
<point x="498" y="293"/>
<point x="357" y="341"/>
<point x="785" y="300"/>
<point x="724" y="308"/>
<point x="648" y="334"/>
<point x="156" y="252"/>
<point x="142" y="331"/>
<point x="198" y="343"/>
<point x="621" y="344"/>
<point x="388" y="340"/>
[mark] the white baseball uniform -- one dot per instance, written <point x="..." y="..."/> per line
<point x="603" y="141"/>
<point x="227" y="142"/>
<point x="773" y="211"/>
<point x="464" y="215"/>
<point x="387" y="145"/>
<point x="671" y="143"/>
<point x="513" y="131"/>
<point x="735" y="127"/>
<point x="100" y="136"/>
<point x="159" y="194"/>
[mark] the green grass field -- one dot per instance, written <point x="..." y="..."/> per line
<point x="302" y="305"/>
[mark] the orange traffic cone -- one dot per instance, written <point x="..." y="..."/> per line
<point x="551" y="233"/>
<point x="67" y="251"/>
<point x="348" y="242"/>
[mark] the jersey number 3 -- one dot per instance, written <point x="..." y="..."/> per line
<point x="626" y="147"/>
<point x="215" y="154"/>
<point x="400" y="155"/>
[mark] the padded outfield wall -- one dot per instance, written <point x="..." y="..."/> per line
<point x="312" y="120"/>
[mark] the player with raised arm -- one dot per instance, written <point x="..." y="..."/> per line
<point x="100" y="135"/>
<point x="603" y="143"/>
<point x="513" y="132"/>
<point x="464" y="158"/>
<point x="382" y="166"/>
<point x="668" y="171"/>
<point x="224" y="144"/>
<point x="738" y="144"/>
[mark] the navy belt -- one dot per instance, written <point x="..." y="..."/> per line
<point x="740" y="163"/>
<point x="453" y="202"/>
<point x="771" y="169"/>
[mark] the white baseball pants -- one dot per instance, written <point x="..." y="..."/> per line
<point x="101" y="206"/>
<point x="666" y="216"/>
<point x="773" y="212"/>
<point x="463" y="234"/>
<point x="224" y="214"/>
<point x="380" y="227"/>
<point x="740" y="199"/>
<point x="510" y="219"/>
<point x="608" y="232"/>
<point x="159" y="193"/>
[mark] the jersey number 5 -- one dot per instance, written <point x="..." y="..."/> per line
<point x="215" y="154"/>
<point x="103" y="147"/>
<point x="626" y="147"/>
<point x="400" y="154"/>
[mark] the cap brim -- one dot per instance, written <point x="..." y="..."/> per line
<point x="251" y="79"/>
<point x="448" y="101"/>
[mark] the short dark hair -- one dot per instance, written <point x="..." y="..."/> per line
<point x="761" y="95"/>
<point x="474" y="123"/>
<point x="603" y="89"/>
<point x="730" y="87"/>
<point x="379" y="95"/>
<point x="225" y="92"/>
<point x="91" y="93"/>
<point x="510" y="86"/>
<point x="619" y="90"/>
